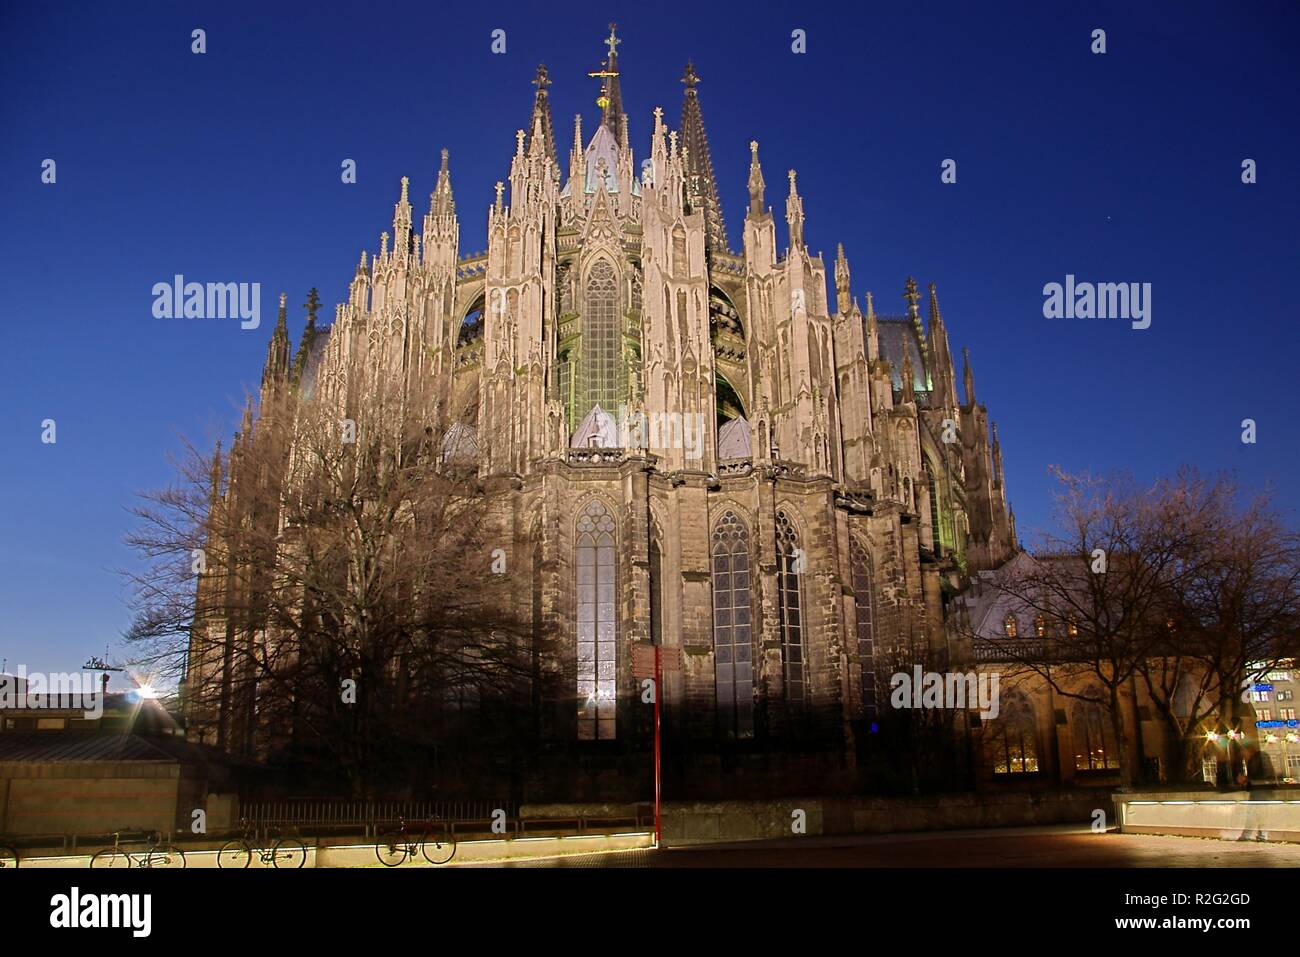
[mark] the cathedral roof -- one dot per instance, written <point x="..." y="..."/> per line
<point x="897" y="334"/>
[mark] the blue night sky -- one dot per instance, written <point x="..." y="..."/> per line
<point x="225" y="167"/>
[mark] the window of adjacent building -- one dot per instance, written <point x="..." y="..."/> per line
<point x="1263" y="714"/>
<point x="1094" y="738"/>
<point x="597" y="628"/>
<point x="1293" y="762"/>
<point x="1260" y="695"/>
<point x="790" y="566"/>
<point x="1287" y="714"/>
<point x="733" y="649"/>
<point x="1040" y="626"/>
<point x="864" y="606"/>
<point x="1013" y="739"/>
<point x="1072" y="627"/>
<point x="1010" y="626"/>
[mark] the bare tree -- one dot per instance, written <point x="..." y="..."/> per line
<point x="1095" y="586"/>
<point x="1233" y="618"/>
<point x="330" y="593"/>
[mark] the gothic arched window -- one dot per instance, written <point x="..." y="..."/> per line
<point x="1094" y="738"/>
<point x="936" y="528"/>
<point x="596" y="623"/>
<point x="733" y="649"/>
<point x="1010" y="626"/>
<point x="791" y="564"/>
<point x="600" y="338"/>
<point x="1012" y="740"/>
<point x="864" y="606"/>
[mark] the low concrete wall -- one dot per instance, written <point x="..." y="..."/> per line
<point x="702" y="822"/>
<point x="88" y="797"/>
<point x="1228" y="816"/>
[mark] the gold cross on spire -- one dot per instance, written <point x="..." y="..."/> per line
<point x="613" y="40"/>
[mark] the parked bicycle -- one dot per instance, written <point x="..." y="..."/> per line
<point x="157" y="853"/>
<point x="283" y="853"/>
<point x="431" y="838"/>
<point x="8" y="857"/>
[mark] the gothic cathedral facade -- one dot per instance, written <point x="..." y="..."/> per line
<point x="683" y="444"/>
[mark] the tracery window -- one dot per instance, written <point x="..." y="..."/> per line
<point x="864" y="605"/>
<point x="596" y="623"/>
<point x="1094" y="738"/>
<point x="790" y="567"/>
<point x="600" y="338"/>
<point x="1013" y="739"/>
<point x="733" y="650"/>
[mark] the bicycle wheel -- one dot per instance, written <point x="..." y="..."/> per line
<point x="288" y="854"/>
<point x="391" y="849"/>
<point x="111" y="857"/>
<point x="167" y="857"/>
<point x="8" y="857"/>
<point x="234" y="855"/>
<point x="438" y="847"/>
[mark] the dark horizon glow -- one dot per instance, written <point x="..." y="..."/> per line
<point x="225" y="167"/>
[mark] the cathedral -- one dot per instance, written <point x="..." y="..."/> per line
<point x="723" y="452"/>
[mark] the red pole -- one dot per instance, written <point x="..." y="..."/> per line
<point x="658" y="683"/>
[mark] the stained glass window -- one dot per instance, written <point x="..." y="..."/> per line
<point x="596" y="623"/>
<point x="864" y="605"/>
<point x="733" y="649"/>
<point x="600" y="339"/>
<point x="790" y="567"/>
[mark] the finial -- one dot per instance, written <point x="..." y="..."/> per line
<point x="283" y="298"/>
<point x="794" y="191"/>
<point x="690" y="77"/>
<point x="659" y="113"/>
<point x="934" y="306"/>
<point x="542" y="80"/>
<point x="444" y="153"/>
<point x="405" y="185"/>
<point x="911" y="295"/>
<point x="613" y="40"/>
<point x="501" y="189"/>
<point x="383" y="244"/>
<point x="519" y="141"/>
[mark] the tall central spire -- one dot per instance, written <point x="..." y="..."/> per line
<point x="611" y="97"/>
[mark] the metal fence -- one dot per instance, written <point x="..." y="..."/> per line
<point x="310" y="815"/>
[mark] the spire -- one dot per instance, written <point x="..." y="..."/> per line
<point x="542" y="112"/>
<point x="215" y="475"/>
<point x="699" y="164"/>
<point x="312" y="305"/>
<point x="997" y="457"/>
<point x="277" y="352"/>
<point x="610" y="100"/>
<point x="913" y="297"/>
<point x="756" y="184"/>
<point x="968" y="377"/>
<point x="843" y="298"/>
<point x="794" y="214"/>
<point x="935" y="318"/>
<point x="441" y="201"/>
<point x="402" y="220"/>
